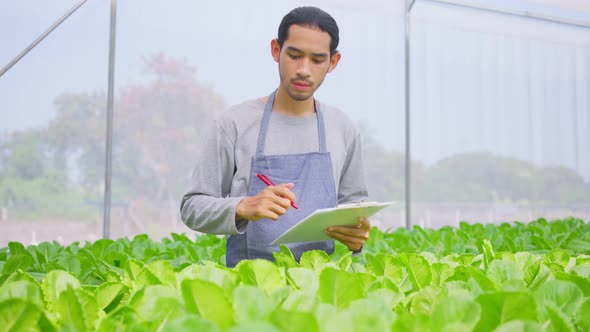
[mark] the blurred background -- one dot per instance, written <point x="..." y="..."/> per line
<point x="498" y="126"/>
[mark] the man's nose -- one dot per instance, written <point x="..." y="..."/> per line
<point x="304" y="69"/>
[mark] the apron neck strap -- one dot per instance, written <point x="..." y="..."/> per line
<point x="266" y="119"/>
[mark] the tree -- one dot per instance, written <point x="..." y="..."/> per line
<point x="157" y="127"/>
<point x="24" y="156"/>
<point x="484" y="177"/>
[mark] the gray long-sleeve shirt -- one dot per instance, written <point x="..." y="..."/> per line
<point x="220" y="178"/>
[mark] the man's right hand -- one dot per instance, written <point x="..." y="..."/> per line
<point x="272" y="202"/>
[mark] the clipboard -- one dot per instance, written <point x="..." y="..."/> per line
<point x="312" y="227"/>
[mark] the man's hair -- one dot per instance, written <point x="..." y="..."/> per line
<point x="310" y="17"/>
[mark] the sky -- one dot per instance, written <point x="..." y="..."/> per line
<point x="75" y="56"/>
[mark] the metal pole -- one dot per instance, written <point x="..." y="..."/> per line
<point x="41" y="37"/>
<point x="408" y="178"/>
<point x="109" y="142"/>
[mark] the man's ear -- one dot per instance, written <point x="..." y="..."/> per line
<point x="275" y="49"/>
<point x="334" y="59"/>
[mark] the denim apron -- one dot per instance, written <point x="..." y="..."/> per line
<point x="314" y="188"/>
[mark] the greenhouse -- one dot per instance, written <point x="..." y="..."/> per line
<point x="176" y="166"/>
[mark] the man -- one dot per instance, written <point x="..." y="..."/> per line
<point x="310" y="150"/>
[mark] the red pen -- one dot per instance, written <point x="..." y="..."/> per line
<point x="268" y="182"/>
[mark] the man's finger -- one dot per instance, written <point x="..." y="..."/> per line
<point x="269" y="215"/>
<point x="350" y="234"/>
<point x="350" y="231"/>
<point x="281" y="201"/>
<point x="349" y="241"/>
<point x="364" y="223"/>
<point x="279" y="209"/>
<point x="284" y="192"/>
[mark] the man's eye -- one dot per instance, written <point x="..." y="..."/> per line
<point x="318" y="61"/>
<point x="293" y="56"/>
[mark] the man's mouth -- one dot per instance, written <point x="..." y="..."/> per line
<point x="301" y="85"/>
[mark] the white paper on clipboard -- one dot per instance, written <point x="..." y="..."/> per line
<point x="312" y="227"/>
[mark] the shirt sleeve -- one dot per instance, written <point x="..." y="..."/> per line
<point x="352" y="188"/>
<point x="207" y="207"/>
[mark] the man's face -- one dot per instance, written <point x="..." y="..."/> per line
<point x="304" y="60"/>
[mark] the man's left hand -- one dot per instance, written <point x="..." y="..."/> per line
<point x="353" y="237"/>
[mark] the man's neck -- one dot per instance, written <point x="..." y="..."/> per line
<point x="283" y="103"/>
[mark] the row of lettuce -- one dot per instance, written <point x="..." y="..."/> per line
<point x="509" y="277"/>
